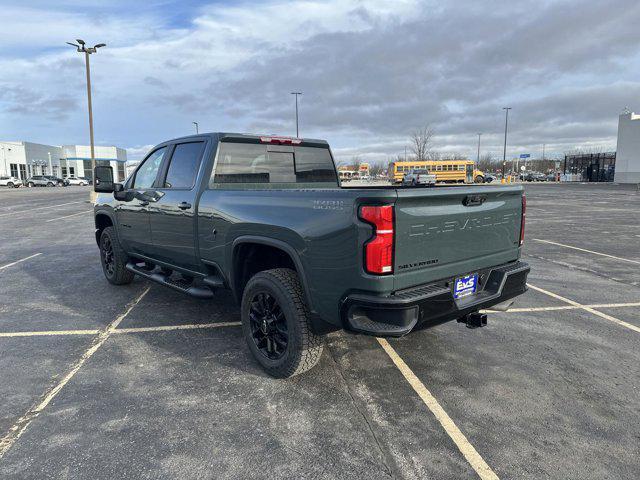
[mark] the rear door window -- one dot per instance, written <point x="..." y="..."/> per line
<point x="184" y="165"/>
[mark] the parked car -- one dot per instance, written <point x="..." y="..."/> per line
<point x="301" y="255"/>
<point x="39" y="181"/>
<point x="419" y="176"/>
<point x="81" y="181"/>
<point x="11" y="182"/>
<point x="533" y="177"/>
<point x="488" y="178"/>
<point x="57" y="181"/>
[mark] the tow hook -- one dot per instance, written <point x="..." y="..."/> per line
<point x="474" y="320"/>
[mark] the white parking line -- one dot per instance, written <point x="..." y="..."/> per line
<point x="587" y="308"/>
<point x="565" y="307"/>
<point x="40" y="208"/>
<point x="47" y="333"/>
<point x="168" y="328"/>
<point x="483" y="470"/>
<point x="587" y="251"/>
<point x="16" y="431"/>
<point x="18" y="261"/>
<point x="164" y="328"/>
<point x="67" y="216"/>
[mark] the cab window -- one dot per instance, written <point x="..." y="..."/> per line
<point x="148" y="171"/>
<point x="184" y="165"/>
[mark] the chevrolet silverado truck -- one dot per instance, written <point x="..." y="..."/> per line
<point x="266" y="219"/>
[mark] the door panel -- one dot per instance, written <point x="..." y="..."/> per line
<point x="132" y="213"/>
<point x="133" y="223"/>
<point x="172" y="215"/>
<point x="172" y="228"/>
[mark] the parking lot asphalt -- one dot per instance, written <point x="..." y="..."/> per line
<point x="98" y="381"/>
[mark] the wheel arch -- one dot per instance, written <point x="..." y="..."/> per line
<point x="103" y="220"/>
<point x="238" y="273"/>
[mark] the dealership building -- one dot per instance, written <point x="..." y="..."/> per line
<point x="25" y="159"/>
<point x="628" y="151"/>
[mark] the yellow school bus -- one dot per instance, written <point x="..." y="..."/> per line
<point x="446" y="171"/>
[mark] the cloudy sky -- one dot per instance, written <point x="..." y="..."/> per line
<point x="370" y="71"/>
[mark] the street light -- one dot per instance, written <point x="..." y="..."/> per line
<point x="297" y="129"/>
<point x="196" y="124"/>
<point x="506" y="124"/>
<point x="478" y="160"/>
<point x="82" y="48"/>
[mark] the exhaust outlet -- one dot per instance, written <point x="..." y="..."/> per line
<point x="474" y="320"/>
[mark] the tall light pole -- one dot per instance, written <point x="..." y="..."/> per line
<point x="82" y="48"/>
<point x="506" y="126"/>
<point x="197" y="130"/>
<point x="478" y="158"/>
<point x="297" y="129"/>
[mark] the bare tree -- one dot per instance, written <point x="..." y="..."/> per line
<point x="354" y="163"/>
<point x="422" y="143"/>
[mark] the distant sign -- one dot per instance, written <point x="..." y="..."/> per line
<point x="525" y="155"/>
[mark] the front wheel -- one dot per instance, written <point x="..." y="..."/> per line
<point x="276" y="324"/>
<point x="49" y="184"/>
<point x="113" y="258"/>
<point x="31" y="184"/>
<point x="10" y="184"/>
<point x="81" y="184"/>
<point x="479" y="179"/>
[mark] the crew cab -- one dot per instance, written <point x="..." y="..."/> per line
<point x="266" y="219"/>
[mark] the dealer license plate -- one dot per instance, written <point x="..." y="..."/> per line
<point x="466" y="285"/>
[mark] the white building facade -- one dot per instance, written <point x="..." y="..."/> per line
<point x="628" y="151"/>
<point x="25" y="159"/>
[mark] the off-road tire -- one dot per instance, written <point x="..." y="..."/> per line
<point x="304" y="347"/>
<point x="120" y="275"/>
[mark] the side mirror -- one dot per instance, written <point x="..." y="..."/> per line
<point x="103" y="180"/>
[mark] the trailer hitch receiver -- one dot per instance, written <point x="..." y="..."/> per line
<point x="474" y="320"/>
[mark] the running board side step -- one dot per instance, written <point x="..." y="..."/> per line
<point x="181" y="286"/>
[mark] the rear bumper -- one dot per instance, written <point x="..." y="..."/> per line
<point x="397" y="314"/>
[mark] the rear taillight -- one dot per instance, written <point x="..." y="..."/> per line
<point x="524" y="215"/>
<point x="378" y="251"/>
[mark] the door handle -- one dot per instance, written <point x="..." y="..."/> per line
<point x="184" y="206"/>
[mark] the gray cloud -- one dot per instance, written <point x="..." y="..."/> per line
<point x="371" y="73"/>
<point x="567" y="69"/>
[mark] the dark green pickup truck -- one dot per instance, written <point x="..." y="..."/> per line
<point x="265" y="218"/>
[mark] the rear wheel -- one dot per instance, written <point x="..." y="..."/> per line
<point x="276" y="324"/>
<point x="49" y="184"/>
<point x="30" y="184"/>
<point x="10" y="184"/>
<point x="113" y="258"/>
<point x="81" y="184"/>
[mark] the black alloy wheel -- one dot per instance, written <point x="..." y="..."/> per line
<point x="108" y="258"/>
<point x="268" y="326"/>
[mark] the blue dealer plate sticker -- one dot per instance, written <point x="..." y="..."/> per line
<point x="466" y="285"/>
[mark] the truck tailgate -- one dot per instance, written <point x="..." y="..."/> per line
<point x="444" y="232"/>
